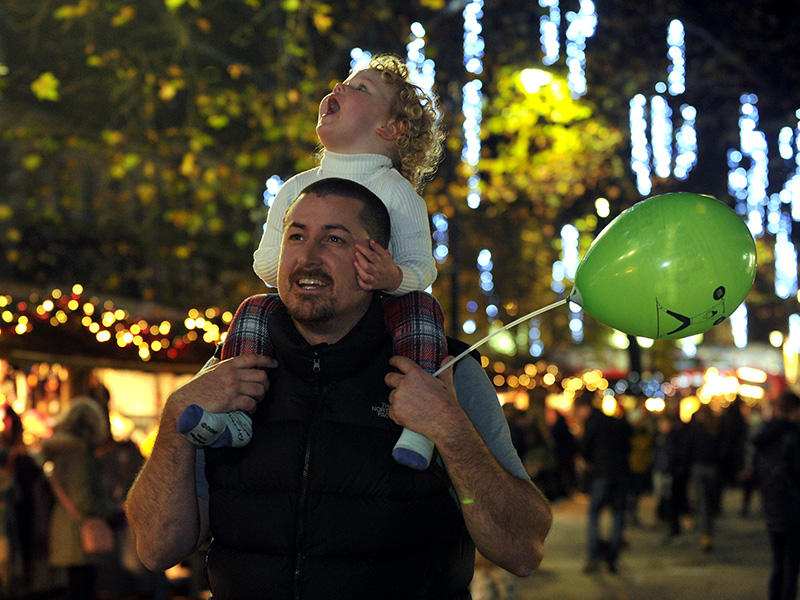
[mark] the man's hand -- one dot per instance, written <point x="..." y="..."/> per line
<point x="237" y="383"/>
<point x="419" y="401"/>
<point x="375" y="268"/>
<point x="163" y="509"/>
<point x="508" y="518"/>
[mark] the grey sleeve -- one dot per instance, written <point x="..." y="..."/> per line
<point x="478" y="398"/>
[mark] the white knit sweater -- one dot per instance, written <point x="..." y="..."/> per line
<point x="411" y="236"/>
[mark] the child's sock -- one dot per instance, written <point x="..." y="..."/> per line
<point x="247" y="334"/>
<point x="218" y="430"/>
<point x="413" y="450"/>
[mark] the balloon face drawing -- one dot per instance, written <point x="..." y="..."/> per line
<point x="667" y="318"/>
<point x="671" y="266"/>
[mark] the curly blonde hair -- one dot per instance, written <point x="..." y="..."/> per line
<point x="421" y="146"/>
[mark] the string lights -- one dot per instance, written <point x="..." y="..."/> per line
<point x="676" y="40"/>
<point x="581" y="26"/>
<point x="570" y="258"/>
<point x="472" y="99"/>
<point x="441" y="237"/>
<point x="107" y="323"/>
<point x="485" y="266"/>
<point x="423" y="74"/>
<point x="779" y="222"/>
<point x="422" y="69"/>
<point x="668" y="150"/>
<point x="271" y="188"/>
<point x="790" y="194"/>
<point x="747" y="183"/>
<point x="472" y="111"/>
<point x="549" y="34"/>
<point x="739" y="326"/>
<point x="748" y="167"/>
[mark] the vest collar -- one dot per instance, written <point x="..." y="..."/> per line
<point x="336" y="361"/>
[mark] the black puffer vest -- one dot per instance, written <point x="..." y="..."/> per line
<point x="315" y="507"/>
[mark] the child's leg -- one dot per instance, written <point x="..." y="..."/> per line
<point x="416" y="323"/>
<point x="247" y="334"/>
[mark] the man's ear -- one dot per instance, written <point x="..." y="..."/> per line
<point x="392" y="130"/>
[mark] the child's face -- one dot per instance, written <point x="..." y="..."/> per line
<point x="354" y="116"/>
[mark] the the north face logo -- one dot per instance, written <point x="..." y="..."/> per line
<point x="382" y="410"/>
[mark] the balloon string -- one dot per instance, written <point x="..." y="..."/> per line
<point x="491" y="335"/>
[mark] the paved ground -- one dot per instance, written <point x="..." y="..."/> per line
<point x="737" y="567"/>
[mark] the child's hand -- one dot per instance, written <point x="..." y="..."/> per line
<point x="376" y="269"/>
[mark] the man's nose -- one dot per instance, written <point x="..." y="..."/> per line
<point x="339" y="88"/>
<point x="310" y="255"/>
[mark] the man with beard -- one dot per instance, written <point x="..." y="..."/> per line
<point x="315" y="506"/>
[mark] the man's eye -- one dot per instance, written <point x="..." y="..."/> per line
<point x="295" y="236"/>
<point x="336" y="239"/>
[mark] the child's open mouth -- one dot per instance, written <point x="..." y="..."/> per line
<point x="332" y="107"/>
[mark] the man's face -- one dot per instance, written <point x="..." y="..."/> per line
<point x="316" y="277"/>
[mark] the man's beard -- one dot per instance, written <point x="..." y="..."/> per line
<point x="311" y="310"/>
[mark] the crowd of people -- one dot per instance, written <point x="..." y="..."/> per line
<point x="614" y="460"/>
<point x="686" y="466"/>
<point x="638" y="453"/>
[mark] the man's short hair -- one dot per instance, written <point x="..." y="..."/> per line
<point x="788" y="402"/>
<point x="374" y="214"/>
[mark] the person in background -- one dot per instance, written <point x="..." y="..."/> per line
<point x="703" y="456"/>
<point x="79" y="431"/>
<point x="776" y="467"/>
<point x="9" y="535"/>
<point x="641" y="462"/>
<point x="514" y="418"/>
<point x="121" y="460"/>
<point x="565" y="449"/>
<point x="733" y="433"/>
<point x="605" y="447"/>
<point x="667" y="463"/>
<point x="33" y="502"/>
<point x="540" y="458"/>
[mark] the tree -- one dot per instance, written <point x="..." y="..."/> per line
<point x="546" y="159"/>
<point x="136" y="137"/>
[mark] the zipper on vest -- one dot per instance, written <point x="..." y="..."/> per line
<point x="300" y="558"/>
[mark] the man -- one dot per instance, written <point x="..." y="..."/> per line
<point x="315" y="506"/>
<point x="605" y="446"/>
<point x="777" y="474"/>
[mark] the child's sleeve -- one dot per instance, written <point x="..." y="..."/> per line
<point x="411" y="244"/>
<point x="268" y="254"/>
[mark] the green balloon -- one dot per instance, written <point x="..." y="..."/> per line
<point x="670" y="266"/>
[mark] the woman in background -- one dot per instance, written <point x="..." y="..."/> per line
<point x="77" y="434"/>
